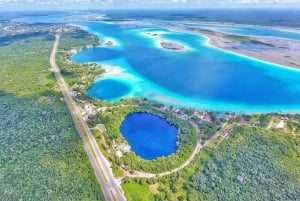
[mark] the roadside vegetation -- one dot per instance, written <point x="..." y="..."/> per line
<point x="112" y="119"/>
<point x="81" y="76"/>
<point x="252" y="164"/>
<point x="246" y="157"/>
<point x="41" y="154"/>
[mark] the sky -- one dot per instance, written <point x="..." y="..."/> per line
<point x="142" y="4"/>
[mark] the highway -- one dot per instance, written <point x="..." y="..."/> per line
<point x="109" y="185"/>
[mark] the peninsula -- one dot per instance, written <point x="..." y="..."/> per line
<point x="276" y="50"/>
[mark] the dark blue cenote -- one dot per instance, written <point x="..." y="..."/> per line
<point x="149" y="135"/>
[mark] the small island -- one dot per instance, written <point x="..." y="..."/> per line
<point x="172" y="46"/>
<point x="153" y="34"/>
<point x="109" y="43"/>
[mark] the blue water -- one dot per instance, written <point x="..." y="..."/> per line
<point x="97" y="54"/>
<point x="248" y="30"/>
<point x="200" y="77"/>
<point x="149" y="136"/>
<point x="108" y="89"/>
<point x="203" y="77"/>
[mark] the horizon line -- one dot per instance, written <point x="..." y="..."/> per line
<point x="153" y="8"/>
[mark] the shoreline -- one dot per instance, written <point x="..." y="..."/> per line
<point x="166" y="97"/>
<point x="285" y="57"/>
<point x="278" y="51"/>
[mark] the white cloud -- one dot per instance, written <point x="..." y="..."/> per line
<point x="149" y="2"/>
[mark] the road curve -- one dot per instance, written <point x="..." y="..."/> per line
<point x="140" y="174"/>
<point x="199" y="146"/>
<point x="109" y="185"/>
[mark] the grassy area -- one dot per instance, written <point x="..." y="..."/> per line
<point x="42" y="156"/>
<point x="137" y="192"/>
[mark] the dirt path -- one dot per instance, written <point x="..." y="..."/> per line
<point x="199" y="146"/>
<point x="139" y="174"/>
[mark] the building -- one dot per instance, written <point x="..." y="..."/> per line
<point x="240" y="179"/>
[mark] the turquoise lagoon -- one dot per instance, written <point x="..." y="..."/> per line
<point x="200" y="76"/>
<point x="108" y="89"/>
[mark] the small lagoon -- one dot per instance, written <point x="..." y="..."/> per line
<point x="149" y="135"/>
<point x="108" y="89"/>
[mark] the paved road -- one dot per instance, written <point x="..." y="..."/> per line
<point x="109" y="185"/>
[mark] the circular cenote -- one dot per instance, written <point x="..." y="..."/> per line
<point x="149" y="136"/>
